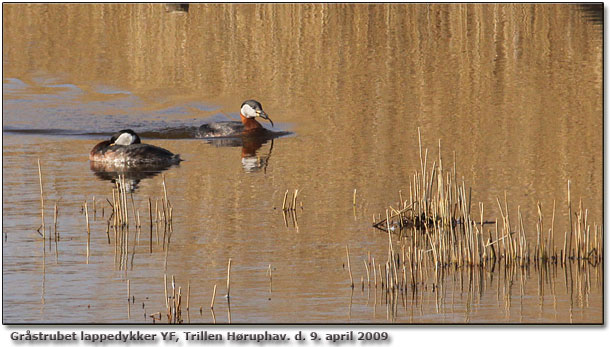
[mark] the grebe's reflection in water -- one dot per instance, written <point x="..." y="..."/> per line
<point x="133" y="175"/>
<point x="251" y="160"/>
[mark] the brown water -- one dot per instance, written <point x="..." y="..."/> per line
<point x="515" y="91"/>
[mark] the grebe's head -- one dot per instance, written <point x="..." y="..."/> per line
<point x="124" y="138"/>
<point x="253" y="109"/>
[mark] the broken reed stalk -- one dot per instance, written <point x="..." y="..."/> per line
<point x="157" y="219"/>
<point x="213" y="315"/>
<point x="570" y="215"/>
<point x="284" y="203"/>
<point x="166" y="253"/>
<point x="173" y="301"/>
<point x="552" y="232"/>
<point x="124" y="204"/>
<point x="290" y="204"/>
<point x="87" y="218"/>
<point x="178" y="307"/>
<point x="151" y="222"/>
<point x="55" y="222"/>
<point x="229" y="278"/>
<point x="41" y="205"/>
<point x="294" y="199"/>
<point x="165" y="288"/>
<point x="188" y="294"/>
<point x="165" y="190"/>
<point x="270" y="279"/>
<point x="374" y="272"/>
<point x="128" y="296"/>
<point x="349" y="268"/>
<point x="88" y="231"/>
<point x="213" y="298"/>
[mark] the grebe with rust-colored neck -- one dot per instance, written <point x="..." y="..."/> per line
<point x="125" y="148"/>
<point x="249" y="126"/>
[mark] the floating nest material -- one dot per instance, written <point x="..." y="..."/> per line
<point x="401" y="220"/>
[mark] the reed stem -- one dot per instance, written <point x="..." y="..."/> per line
<point x="349" y="268"/>
<point x="229" y="278"/>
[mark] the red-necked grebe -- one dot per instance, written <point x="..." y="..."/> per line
<point x="125" y="148"/>
<point x="248" y="126"/>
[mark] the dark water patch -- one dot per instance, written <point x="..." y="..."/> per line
<point x="177" y="8"/>
<point x="593" y="13"/>
<point x="144" y="130"/>
<point x="9" y="129"/>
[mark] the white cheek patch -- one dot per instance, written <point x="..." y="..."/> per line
<point x="248" y="111"/>
<point x="124" y="139"/>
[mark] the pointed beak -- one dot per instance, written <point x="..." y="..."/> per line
<point x="264" y="115"/>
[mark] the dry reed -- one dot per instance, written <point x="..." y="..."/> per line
<point x="349" y="268"/>
<point x="229" y="279"/>
<point x="438" y="228"/>
<point x="41" y="207"/>
<point x="213" y="298"/>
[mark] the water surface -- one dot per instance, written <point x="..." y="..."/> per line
<point x="514" y="91"/>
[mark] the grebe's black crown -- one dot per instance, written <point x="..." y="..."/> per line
<point x="254" y="104"/>
<point x="136" y="138"/>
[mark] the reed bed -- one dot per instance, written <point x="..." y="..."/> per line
<point x="437" y="224"/>
<point x="435" y="233"/>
